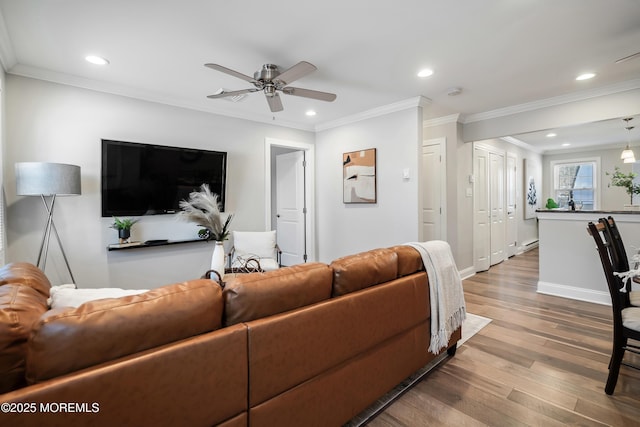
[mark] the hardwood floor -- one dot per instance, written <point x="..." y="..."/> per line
<point x="542" y="361"/>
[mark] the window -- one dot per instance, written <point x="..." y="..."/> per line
<point x="576" y="180"/>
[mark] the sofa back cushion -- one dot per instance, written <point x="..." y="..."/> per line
<point x="409" y="260"/>
<point x="359" y="271"/>
<point x="255" y="295"/>
<point x="24" y="290"/>
<point x="67" y="340"/>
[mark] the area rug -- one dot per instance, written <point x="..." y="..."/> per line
<point x="471" y="326"/>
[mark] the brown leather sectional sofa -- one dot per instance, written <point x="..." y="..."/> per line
<point x="308" y="345"/>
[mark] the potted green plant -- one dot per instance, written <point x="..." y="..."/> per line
<point x="625" y="180"/>
<point x="123" y="225"/>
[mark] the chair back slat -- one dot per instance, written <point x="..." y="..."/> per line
<point x="614" y="283"/>
<point x="619" y="255"/>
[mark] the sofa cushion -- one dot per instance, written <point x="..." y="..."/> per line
<point x="255" y="295"/>
<point x="359" y="271"/>
<point x="67" y="340"/>
<point x="23" y="299"/>
<point x="409" y="260"/>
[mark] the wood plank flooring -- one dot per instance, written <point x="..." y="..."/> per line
<point x="542" y="361"/>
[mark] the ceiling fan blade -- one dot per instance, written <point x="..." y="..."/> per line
<point x="308" y="93"/>
<point x="231" y="72"/>
<point x="232" y="93"/>
<point x="626" y="58"/>
<point x="275" y="103"/>
<point x="299" y="70"/>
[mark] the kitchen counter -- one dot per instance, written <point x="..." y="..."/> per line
<point x="606" y="213"/>
<point x="569" y="263"/>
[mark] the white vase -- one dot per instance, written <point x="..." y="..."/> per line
<point x="217" y="259"/>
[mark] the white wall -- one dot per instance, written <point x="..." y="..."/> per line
<point x="57" y="123"/>
<point x="3" y="234"/>
<point x="344" y="229"/>
<point x="611" y="198"/>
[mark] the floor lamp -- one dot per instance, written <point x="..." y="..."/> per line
<point x="48" y="180"/>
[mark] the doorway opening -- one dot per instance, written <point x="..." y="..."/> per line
<point x="289" y="195"/>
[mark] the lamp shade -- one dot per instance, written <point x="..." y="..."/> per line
<point x="39" y="178"/>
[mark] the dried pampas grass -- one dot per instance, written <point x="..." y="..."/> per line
<point x="203" y="209"/>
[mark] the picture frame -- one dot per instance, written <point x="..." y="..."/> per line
<point x="532" y="184"/>
<point x="359" y="176"/>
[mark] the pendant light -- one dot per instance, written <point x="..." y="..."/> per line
<point x="627" y="154"/>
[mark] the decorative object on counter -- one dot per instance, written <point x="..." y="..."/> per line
<point x="203" y="208"/>
<point x="627" y="154"/>
<point x="551" y="204"/>
<point x="48" y="180"/>
<point x="123" y="225"/>
<point x="625" y="180"/>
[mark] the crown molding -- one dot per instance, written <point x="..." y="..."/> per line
<point x="7" y="55"/>
<point x="419" y="101"/>
<point x="129" y="92"/>
<point x="554" y="101"/>
<point x="453" y="118"/>
<point x="522" y="144"/>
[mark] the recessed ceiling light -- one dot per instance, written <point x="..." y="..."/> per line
<point x="566" y="144"/>
<point x="586" y="76"/>
<point x="550" y="135"/>
<point x="97" y="60"/>
<point x="310" y="113"/>
<point x="425" y="73"/>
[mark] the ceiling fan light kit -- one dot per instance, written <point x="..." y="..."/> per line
<point x="270" y="81"/>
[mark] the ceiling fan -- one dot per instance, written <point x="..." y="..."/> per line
<point x="270" y="80"/>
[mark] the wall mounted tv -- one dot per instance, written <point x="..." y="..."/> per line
<point x="143" y="179"/>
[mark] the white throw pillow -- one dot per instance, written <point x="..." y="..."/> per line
<point x="69" y="296"/>
<point x="261" y="244"/>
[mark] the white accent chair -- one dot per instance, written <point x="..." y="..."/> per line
<point x="260" y="245"/>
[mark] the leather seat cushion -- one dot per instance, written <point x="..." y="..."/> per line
<point x="256" y="295"/>
<point x="409" y="260"/>
<point x="66" y="340"/>
<point x="24" y="290"/>
<point x="355" y="272"/>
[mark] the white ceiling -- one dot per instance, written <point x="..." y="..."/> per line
<point x="501" y="53"/>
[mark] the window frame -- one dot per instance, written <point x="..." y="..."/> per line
<point x="572" y="161"/>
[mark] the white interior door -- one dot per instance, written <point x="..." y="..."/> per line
<point x="512" y="224"/>
<point x="481" y="207"/>
<point x="290" y="207"/>
<point x="497" y="199"/>
<point x="431" y="185"/>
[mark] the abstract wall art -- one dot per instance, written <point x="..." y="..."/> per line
<point x="359" y="176"/>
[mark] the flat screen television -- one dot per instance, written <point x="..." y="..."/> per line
<point x="144" y="179"/>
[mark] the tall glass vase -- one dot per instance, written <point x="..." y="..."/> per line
<point x="217" y="259"/>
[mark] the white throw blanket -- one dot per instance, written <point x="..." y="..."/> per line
<point x="448" y="309"/>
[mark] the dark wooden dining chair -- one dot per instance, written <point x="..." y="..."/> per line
<point x="619" y="258"/>
<point x="626" y="319"/>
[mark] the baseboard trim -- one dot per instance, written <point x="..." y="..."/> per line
<point x="581" y="294"/>
<point x="527" y="246"/>
<point x="467" y="272"/>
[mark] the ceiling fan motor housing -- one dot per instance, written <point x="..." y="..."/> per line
<point x="267" y="73"/>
